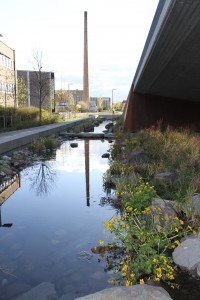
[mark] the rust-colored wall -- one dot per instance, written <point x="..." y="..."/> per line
<point x="143" y="111"/>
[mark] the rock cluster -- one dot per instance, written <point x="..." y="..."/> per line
<point x="15" y="162"/>
<point x="46" y="291"/>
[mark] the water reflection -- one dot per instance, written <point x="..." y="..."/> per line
<point x="87" y="170"/>
<point x="7" y="188"/>
<point x="51" y="242"/>
<point x="8" y="225"/>
<point x="43" y="180"/>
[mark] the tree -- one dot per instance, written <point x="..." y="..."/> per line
<point x="22" y="92"/>
<point x="40" y="83"/>
<point x="82" y="106"/>
<point x="100" y="103"/>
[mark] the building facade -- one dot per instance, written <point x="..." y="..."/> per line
<point x="7" y="76"/>
<point x="39" y="85"/>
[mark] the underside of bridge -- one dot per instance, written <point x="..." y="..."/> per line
<point x="166" y="86"/>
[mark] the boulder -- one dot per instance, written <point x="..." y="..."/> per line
<point x="194" y="204"/>
<point x="105" y="155"/>
<point x="135" y="292"/>
<point x="137" y="155"/>
<point x="164" y="211"/>
<point x="43" y="291"/>
<point x="187" y="255"/>
<point x="74" y="145"/>
<point x="165" y="178"/>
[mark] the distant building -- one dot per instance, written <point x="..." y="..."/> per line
<point x="45" y="86"/>
<point x="105" y="103"/>
<point x="65" y="98"/>
<point x="7" y="76"/>
<point x="77" y="95"/>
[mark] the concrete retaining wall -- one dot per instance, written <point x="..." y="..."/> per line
<point x="15" y="139"/>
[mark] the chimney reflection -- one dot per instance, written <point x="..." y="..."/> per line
<point x="8" y="188"/>
<point x="87" y="170"/>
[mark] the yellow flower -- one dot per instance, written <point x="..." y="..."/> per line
<point x="177" y="242"/>
<point x="194" y="232"/>
<point x="112" y="281"/>
<point x="125" y="267"/>
<point x="128" y="282"/>
<point x="170" y="276"/>
<point x="155" y="260"/>
<point x="101" y="242"/>
<point x="159" y="272"/>
<point x="176" y="229"/>
<point x="116" y="271"/>
<point x="181" y="222"/>
<point x="157" y="279"/>
<point x="132" y="275"/>
<point x="189" y="227"/>
<point x="141" y="281"/>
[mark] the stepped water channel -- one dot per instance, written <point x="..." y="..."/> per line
<point x="55" y="218"/>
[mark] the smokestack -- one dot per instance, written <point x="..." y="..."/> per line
<point x="85" y="67"/>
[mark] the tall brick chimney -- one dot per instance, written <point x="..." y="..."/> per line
<point x="85" y="66"/>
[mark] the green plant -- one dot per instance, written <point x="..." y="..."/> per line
<point x="43" y="144"/>
<point x="138" y="194"/>
<point x="37" y="145"/>
<point x="146" y="246"/>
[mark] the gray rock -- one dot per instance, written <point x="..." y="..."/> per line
<point x="15" y="289"/>
<point x="67" y="296"/>
<point x="198" y="269"/>
<point x="136" y="292"/>
<point x="187" y="255"/>
<point x="43" y="291"/>
<point x="136" y="155"/>
<point x="74" y="145"/>
<point x="6" y="158"/>
<point x="194" y="204"/>
<point x="165" y="177"/>
<point x="164" y="211"/>
<point x="105" y="155"/>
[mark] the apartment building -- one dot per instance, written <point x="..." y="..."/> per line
<point x="38" y="84"/>
<point x="7" y="76"/>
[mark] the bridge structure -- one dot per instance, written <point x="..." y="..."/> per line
<point x="166" y="85"/>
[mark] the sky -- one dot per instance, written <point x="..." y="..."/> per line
<point x="117" y="31"/>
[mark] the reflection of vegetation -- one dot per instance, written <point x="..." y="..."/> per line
<point x="44" y="179"/>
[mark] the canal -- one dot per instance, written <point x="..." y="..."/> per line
<point x="50" y="222"/>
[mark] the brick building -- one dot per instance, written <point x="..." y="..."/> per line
<point x="7" y="76"/>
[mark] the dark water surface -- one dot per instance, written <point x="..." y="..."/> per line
<point x="56" y="220"/>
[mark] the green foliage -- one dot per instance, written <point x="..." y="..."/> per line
<point x="26" y="117"/>
<point x="43" y="144"/>
<point x="145" y="245"/>
<point x="139" y="195"/>
<point x="143" y="236"/>
<point x="22" y="92"/>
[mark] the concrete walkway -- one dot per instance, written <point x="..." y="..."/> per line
<point x="14" y="139"/>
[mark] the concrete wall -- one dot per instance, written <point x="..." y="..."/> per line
<point x="15" y="139"/>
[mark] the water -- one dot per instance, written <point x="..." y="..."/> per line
<point x="53" y="220"/>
